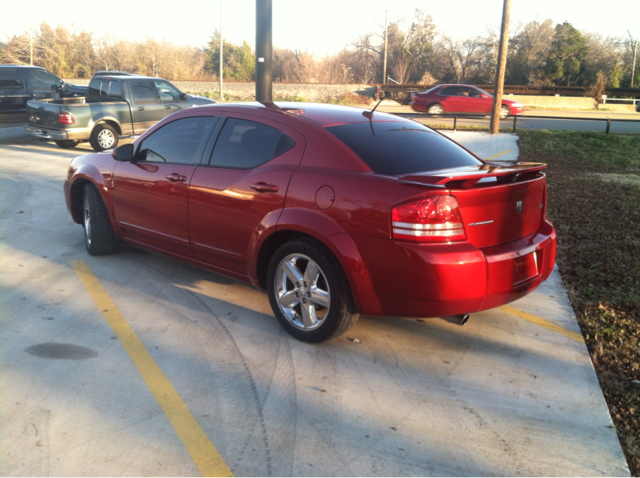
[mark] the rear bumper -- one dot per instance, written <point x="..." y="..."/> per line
<point x="56" y="134"/>
<point x="418" y="280"/>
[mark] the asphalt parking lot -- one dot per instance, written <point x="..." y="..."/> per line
<point x="136" y="364"/>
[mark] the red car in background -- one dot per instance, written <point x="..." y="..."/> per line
<point x="443" y="99"/>
<point x="333" y="211"/>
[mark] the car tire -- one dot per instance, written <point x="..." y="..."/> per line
<point x="309" y="293"/>
<point x="98" y="235"/>
<point x="504" y="111"/>
<point x="103" y="137"/>
<point x="67" y="143"/>
<point x="436" y="109"/>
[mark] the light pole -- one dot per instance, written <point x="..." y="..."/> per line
<point x="220" y="74"/>
<point x="264" y="51"/>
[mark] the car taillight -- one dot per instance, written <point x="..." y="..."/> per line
<point x="434" y="219"/>
<point x="66" y="118"/>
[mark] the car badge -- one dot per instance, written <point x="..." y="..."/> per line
<point x="519" y="207"/>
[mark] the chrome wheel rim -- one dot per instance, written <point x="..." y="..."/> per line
<point x="302" y="292"/>
<point x="504" y="112"/>
<point x="106" y="139"/>
<point x="436" y="110"/>
<point x="87" y="220"/>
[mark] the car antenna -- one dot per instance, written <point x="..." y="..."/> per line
<point x="369" y="114"/>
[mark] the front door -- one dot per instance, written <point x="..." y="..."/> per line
<point x="150" y="194"/>
<point x="145" y="107"/>
<point x="44" y="85"/>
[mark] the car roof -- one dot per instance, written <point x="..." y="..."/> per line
<point x="319" y="113"/>
<point x="22" y="66"/>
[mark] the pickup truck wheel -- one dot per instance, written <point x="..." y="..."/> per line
<point x="67" y="143"/>
<point x="98" y="235"/>
<point x="103" y="137"/>
<point x="309" y="293"/>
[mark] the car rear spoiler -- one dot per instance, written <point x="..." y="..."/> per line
<point x="468" y="177"/>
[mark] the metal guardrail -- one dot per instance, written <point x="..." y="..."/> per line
<point x="515" y="119"/>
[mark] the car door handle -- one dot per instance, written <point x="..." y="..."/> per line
<point x="264" y="187"/>
<point x="167" y="107"/>
<point x="176" y="178"/>
<point x="140" y="108"/>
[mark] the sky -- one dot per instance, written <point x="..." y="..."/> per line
<point x="318" y="27"/>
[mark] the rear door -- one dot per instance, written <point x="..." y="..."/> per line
<point x="13" y="95"/>
<point x="450" y="99"/>
<point x="150" y="194"/>
<point x="243" y="185"/>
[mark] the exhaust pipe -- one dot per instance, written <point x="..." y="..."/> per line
<point x="460" y="318"/>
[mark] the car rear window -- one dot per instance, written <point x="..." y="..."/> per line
<point x="401" y="148"/>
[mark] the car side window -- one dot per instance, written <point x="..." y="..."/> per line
<point x="43" y="80"/>
<point x="181" y="141"/>
<point x="167" y="91"/>
<point x="105" y="88"/>
<point x="246" y="144"/>
<point x="10" y="78"/>
<point x="449" y="91"/>
<point x="144" y="92"/>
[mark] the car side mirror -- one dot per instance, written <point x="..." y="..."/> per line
<point x="484" y="96"/>
<point x="183" y="97"/>
<point x="123" y="153"/>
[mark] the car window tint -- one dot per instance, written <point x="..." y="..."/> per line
<point x="43" y="80"/>
<point x="449" y="91"/>
<point x="10" y="78"/>
<point x="246" y="144"/>
<point x="105" y="88"/>
<point x="144" y="92"/>
<point x="401" y="148"/>
<point x="167" y="91"/>
<point x="181" y="141"/>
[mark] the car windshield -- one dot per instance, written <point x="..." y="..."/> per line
<point x="397" y="148"/>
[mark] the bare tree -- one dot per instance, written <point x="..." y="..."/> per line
<point x="462" y="57"/>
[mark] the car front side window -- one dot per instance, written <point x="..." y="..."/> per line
<point x="179" y="142"/>
<point x="167" y="91"/>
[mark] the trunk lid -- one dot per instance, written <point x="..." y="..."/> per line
<point x="498" y="203"/>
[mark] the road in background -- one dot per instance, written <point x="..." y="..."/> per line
<point x="579" y="120"/>
<point x="513" y="392"/>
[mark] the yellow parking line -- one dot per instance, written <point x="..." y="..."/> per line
<point x="195" y="440"/>
<point x="496" y="155"/>
<point x="543" y="323"/>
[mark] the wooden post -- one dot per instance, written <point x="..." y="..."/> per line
<point x="502" y="64"/>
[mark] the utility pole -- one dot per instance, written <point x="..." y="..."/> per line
<point x="264" y="51"/>
<point x="384" y="68"/>
<point x="220" y="74"/>
<point x="502" y="65"/>
<point x="633" y="69"/>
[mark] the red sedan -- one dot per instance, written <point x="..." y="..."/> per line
<point x="335" y="212"/>
<point x="443" y="99"/>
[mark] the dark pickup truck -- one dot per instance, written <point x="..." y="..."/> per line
<point x="21" y="83"/>
<point x="117" y="104"/>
